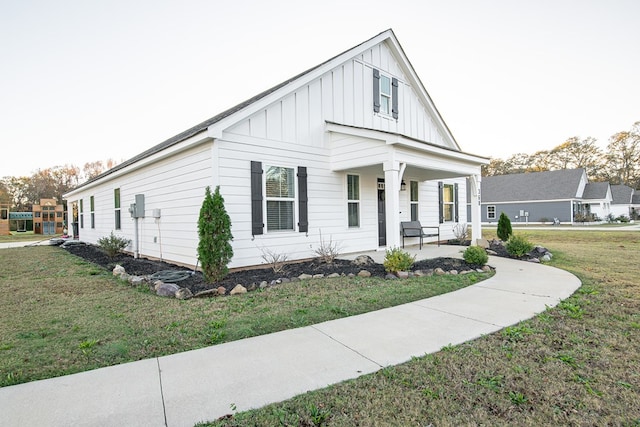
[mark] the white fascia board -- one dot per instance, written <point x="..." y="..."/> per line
<point x="188" y="143"/>
<point x="435" y="150"/>
<point x="509" y="202"/>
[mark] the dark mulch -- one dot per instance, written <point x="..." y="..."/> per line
<point x="245" y="277"/>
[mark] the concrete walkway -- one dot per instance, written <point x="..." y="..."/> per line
<point x="200" y="385"/>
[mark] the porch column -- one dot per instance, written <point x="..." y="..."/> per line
<point x="392" y="171"/>
<point x="476" y="209"/>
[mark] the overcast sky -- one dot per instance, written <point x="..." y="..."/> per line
<point x="90" y="80"/>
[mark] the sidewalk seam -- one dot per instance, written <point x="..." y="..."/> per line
<point x="346" y="346"/>
<point x="458" y="315"/>
<point x="164" y="408"/>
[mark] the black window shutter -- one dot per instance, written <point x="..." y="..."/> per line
<point x="376" y="90"/>
<point x="440" y="202"/>
<point x="394" y="98"/>
<point x="455" y="200"/>
<point x="303" y="224"/>
<point x="257" y="224"/>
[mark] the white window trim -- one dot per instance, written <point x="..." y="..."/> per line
<point x="280" y="199"/>
<point x="353" y="201"/>
<point x="414" y="202"/>
<point x="452" y="203"/>
<point x="388" y="95"/>
<point x="494" y="212"/>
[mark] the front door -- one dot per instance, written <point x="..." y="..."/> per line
<point x="382" y="223"/>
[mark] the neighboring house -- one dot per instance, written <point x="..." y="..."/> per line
<point x="596" y="201"/>
<point x="344" y="151"/>
<point x="635" y="205"/>
<point x="541" y="197"/>
<point x="623" y="201"/>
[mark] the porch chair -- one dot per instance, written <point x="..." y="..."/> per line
<point x="415" y="229"/>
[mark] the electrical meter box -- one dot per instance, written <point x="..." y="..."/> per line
<point x="139" y="206"/>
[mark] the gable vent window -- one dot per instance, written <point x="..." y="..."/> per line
<point x="385" y="94"/>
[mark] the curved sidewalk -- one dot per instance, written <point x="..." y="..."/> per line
<point x="200" y="385"/>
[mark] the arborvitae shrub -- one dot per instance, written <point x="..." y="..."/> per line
<point x="504" y="227"/>
<point x="214" y="232"/>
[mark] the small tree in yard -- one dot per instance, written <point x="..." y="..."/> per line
<point x="214" y="232"/>
<point x="504" y="227"/>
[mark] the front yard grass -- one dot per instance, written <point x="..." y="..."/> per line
<point x="60" y="314"/>
<point x="576" y="364"/>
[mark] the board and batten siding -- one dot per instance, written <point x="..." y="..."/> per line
<point x="174" y="185"/>
<point x="343" y="95"/>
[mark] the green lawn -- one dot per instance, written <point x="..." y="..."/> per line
<point x="27" y="236"/>
<point x="576" y="364"/>
<point x="59" y="314"/>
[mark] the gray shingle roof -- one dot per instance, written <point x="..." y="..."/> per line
<point x="205" y="125"/>
<point x="548" y="185"/>
<point x="595" y="190"/>
<point x="621" y="194"/>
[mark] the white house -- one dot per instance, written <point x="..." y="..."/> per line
<point x="346" y="150"/>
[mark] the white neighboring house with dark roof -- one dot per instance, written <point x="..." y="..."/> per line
<point x="623" y="201"/>
<point x="541" y="197"/>
<point x="597" y="199"/>
<point x="349" y="149"/>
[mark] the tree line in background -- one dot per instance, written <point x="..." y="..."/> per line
<point x="22" y="192"/>
<point x="619" y="163"/>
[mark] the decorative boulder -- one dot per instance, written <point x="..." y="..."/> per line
<point x="183" y="294"/>
<point x="363" y="260"/>
<point x="402" y="274"/>
<point x="167" y="290"/>
<point x="136" y="280"/>
<point x="439" y="271"/>
<point x="239" y="289"/>
<point x="364" y="273"/>
<point x="118" y="270"/>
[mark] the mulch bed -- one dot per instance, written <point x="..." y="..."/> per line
<point x="245" y="277"/>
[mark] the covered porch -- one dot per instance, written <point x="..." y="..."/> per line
<point x="396" y="160"/>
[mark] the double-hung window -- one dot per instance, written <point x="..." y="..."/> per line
<point x="448" y="201"/>
<point x="385" y="94"/>
<point x="92" y="210"/>
<point x="413" y="190"/>
<point x="353" y="200"/>
<point x="116" y="205"/>
<point x="81" y="214"/>
<point x="491" y="212"/>
<point x="280" y="192"/>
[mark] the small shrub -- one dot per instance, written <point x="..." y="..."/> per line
<point x="276" y="260"/>
<point x="113" y="244"/>
<point x="504" y="227"/>
<point x="475" y="255"/>
<point x="398" y="260"/>
<point x="623" y="218"/>
<point x="518" y="246"/>
<point x="461" y="232"/>
<point x="327" y="251"/>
